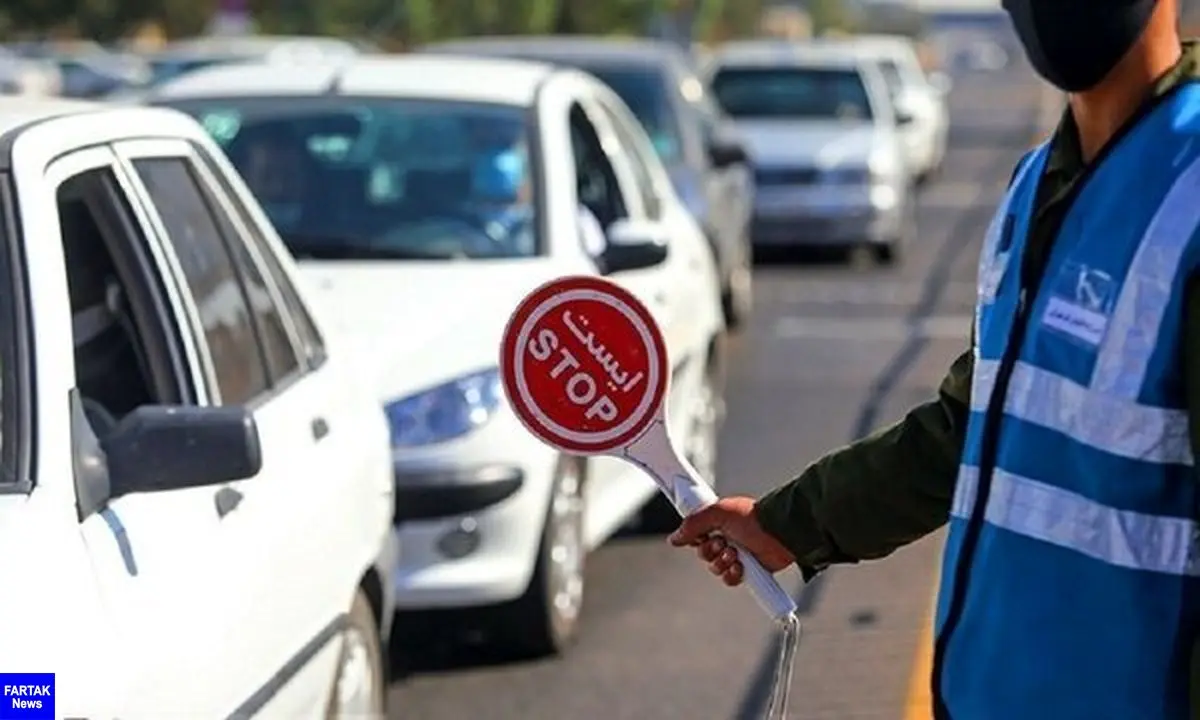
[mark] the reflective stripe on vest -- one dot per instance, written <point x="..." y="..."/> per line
<point x="1118" y="537"/>
<point x="1099" y="420"/>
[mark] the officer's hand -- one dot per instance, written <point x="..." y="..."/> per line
<point x="731" y="519"/>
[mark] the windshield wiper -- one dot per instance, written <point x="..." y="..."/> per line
<point x="305" y="246"/>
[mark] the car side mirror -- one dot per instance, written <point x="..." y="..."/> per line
<point x="634" y="245"/>
<point x="160" y="447"/>
<point x="723" y="153"/>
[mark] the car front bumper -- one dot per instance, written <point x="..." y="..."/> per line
<point x="829" y="216"/>
<point x="469" y="517"/>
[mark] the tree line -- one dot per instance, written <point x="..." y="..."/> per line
<point x="386" y="21"/>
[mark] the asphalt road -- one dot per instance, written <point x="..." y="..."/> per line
<point x="833" y="351"/>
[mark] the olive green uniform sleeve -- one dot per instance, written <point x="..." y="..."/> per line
<point x="868" y="499"/>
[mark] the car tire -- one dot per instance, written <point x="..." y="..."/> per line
<point x="360" y="685"/>
<point x="545" y="619"/>
<point x="889" y="253"/>
<point x="885" y="254"/>
<point x="737" y="297"/>
<point x="659" y="515"/>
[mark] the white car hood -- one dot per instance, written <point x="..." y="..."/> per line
<point x="420" y="324"/>
<point x="816" y="143"/>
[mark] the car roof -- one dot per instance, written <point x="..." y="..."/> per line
<point x="470" y="79"/>
<point x="786" y="53"/>
<point x="582" y="49"/>
<point x="19" y="111"/>
<point x="874" y="46"/>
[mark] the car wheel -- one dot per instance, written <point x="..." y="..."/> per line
<point x="545" y="620"/>
<point x="737" y="299"/>
<point x="700" y="448"/>
<point x="889" y="253"/>
<point x="359" y="686"/>
<point x="884" y="254"/>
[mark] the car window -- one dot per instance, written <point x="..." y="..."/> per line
<point x="595" y="178"/>
<point x="220" y="299"/>
<point x="311" y="343"/>
<point x="283" y="359"/>
<point x="798" y="93"/>
<point x="647" y="93"/>
<point x="636" y="155"/>
<point x="343" y="178"/>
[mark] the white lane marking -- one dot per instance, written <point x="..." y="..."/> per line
<point x="856" y="292"/>
<point x="949" y="327"/>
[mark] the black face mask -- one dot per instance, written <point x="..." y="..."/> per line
<point x="1074" y="44"/>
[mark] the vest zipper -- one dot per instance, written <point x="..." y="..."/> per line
<point x="987" y="465"/>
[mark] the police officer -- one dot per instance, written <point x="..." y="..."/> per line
<point x="1062" y="445"/>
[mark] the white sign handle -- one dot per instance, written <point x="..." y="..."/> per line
<point x="688" y="492"/>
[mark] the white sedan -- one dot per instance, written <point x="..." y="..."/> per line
<point x="424" y="197"/>
<point x="920" y="98"/>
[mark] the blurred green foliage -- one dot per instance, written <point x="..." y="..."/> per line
<point x="393" y="22"/>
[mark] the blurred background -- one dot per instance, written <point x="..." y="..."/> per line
<point x="89" y="48"/>
<point x="832" y="350"/>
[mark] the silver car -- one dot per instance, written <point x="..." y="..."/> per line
<point x="823" y="135"/>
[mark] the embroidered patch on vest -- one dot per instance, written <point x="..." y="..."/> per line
<point x="1081" y="304"/>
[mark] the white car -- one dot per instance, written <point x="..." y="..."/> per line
<point x="424" y="196"/>
<point x="195" y="491"/>
<point x="919" y="98"/>
<point x="829" y="162"/>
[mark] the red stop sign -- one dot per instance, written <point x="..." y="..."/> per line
<point x="584" y="365"/>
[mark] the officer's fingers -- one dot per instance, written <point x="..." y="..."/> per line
<point x="733" y="576"/>
<point x="710" y="549"/>
<point x="695" y="526"/>
<point x="722" y="562"/>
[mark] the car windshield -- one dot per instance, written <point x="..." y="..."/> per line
<point x="792" y="93"/>
<point x="357" y="179"/>
<point x="646" y="94"/>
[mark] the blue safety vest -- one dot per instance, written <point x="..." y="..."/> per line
<point x="1070" y="580"/>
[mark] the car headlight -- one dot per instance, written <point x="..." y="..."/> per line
<point x="447" y="411"/>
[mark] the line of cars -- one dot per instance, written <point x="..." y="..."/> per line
<point x="773" y="142"/>
<point x="841" y="133"/>
<point x="284" y="421"/>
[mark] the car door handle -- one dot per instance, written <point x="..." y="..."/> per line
<point x="227" y="500"/>
<point x="320" y="428"/>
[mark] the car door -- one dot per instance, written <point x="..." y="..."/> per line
<point x="602" y="157"/>
<point x="272" y="523"/>
<point x="729" y="189"/>
<point x="672" y="285"/>
<point x="158" y="558"/>
<point x="684" y="278"/>
<point x="342" y="507"/>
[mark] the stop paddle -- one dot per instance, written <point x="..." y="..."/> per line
<point x="585" y="368"/>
